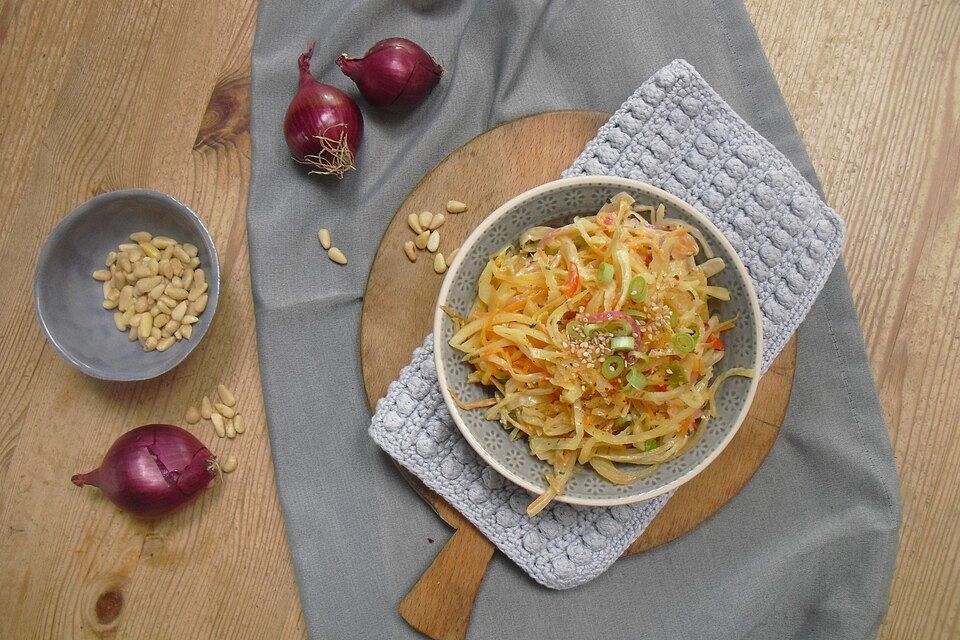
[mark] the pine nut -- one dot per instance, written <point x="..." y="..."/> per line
<point x="161" y="319"/>
<point x="413" y="221"/>
<point x="180" y="254"/>
<point x="126" y="297"/>
<point x="206" y="409"/>
<point x="146" y="284"/>
<point x="186" y="280"/>
<point x="186" y="331"/>
<point x="437" y="222"/>
<point x="324" y="236"/>
<point x="124" y="263"/>
<point x="168" y="301"/>
<point x="198" y="290"/>
<point x="226" y="396"/>
<point x="422" y="239"/>
<point x="165" y="343"/>
<point x="162" y="242"/>
<point x="178" y="334"/>
<point x="177" y="282"/>
<point x="189" y="319"/>
<point x="130" y="278"/>
<point x="337" y="256"/>
<point x="127" y="247"/>
<point x="411" y="250"/>
<point x="199" y="305"/>
<point x="199" y="277"/>
<point x="155" y="333"/>
<point x="119" y="321"/>
<point x="239" y="424"/>
<point x="425" y="217"/>
<point x="150" y="344"/>
<point x="132" y="336"/>
<point x="218" y="426"/>
<point x="146" y="325"/>
<point x="113" y="295"/>
<point x="163" y="307"/>
<point x="109" y="305"/>
<point x="155" y="311"/>
<point x="135" y="319"/>
<point x="453" y="206"/>
<point x="224" y="410"/>
<point x="433" y="242"/>
<point x="119" y="280"/>
<point x="141" y="236"/>
<point x="231" y="431"/>
<point x="167" y="253"/>
<point x="141" y="304"/>
<point x="230" y="465"/>
<point x="166" y="269"/>
<point x="103" y="275"/>
<point x="129" y="313"/>
<point x="150" y="250"/>
<point x="176" y="266"/>
<point x="107" y="286"/>
<point x="111" y="259"/>
<point x="176" y="292"/>
<point x="170" y="328"/>
<point x="190" y="250"/>
<point x="142" y="270"/>
<point x="193" y="415"/>
<point x="194" y="262"/>
<point x="179" y="311"/>
<point x="439" y="264"/>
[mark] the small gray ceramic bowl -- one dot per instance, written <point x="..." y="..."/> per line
<point x="553" y="204"/>
<point x="68" y="300"/>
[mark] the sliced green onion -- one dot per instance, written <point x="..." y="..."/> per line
<point x="677" y="376"/>
<point x="683" y="343"/>
<point x="674" y="321"/>
<point x="638" y="289"/>
<point x="575" y="329"/>
<point x="622" y="343"/>
<point x="591" y="329"/>
<point x="612" y="367"/>
<point x="650" y="445"/>
<point x="605" y="273"/>
<point x="636" y="379"/>
<point x="636" y="313"/>
<point x="619" y="328"/>
<point x="639" y="355"/>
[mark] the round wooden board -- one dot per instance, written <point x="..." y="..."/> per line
<point x="398" y="304"/>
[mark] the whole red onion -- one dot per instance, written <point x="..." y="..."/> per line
<point x="153" y="470"/>
<point x="395" y="74"/>
<point x="323" y="125"/>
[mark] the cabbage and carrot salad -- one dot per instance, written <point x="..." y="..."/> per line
<point x="599" y="341"/>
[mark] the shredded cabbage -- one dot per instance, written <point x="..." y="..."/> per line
<point x="541" y="333"/>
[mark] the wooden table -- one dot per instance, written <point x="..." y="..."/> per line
<point x="99" y="96"/>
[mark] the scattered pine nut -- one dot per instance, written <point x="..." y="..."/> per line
<point x="337" y="256"/>
<point x="453" y="206"/>
<point x="102" y="275"/>
<point x="193" y="415"/>
<point x="165" y="343"/>
<point x="433" y="242"/>
<point x="230" y="430"/>
<point x="437" y="222"/>
<point x="421" y="240"/>
<point x="439" y="264"/>
<point x="425" y="218"/>
<point x="411" y="250"/>
<point x="230" y="465"/>
<point x="413" y="221"/>
<point x="218" y="424"/>
<point x="206" y="408"/>
<point x="224" y="410"/>
<point x="239" y="424"/>
<point x="226" y="396"/>
<point x="324" y="236"/>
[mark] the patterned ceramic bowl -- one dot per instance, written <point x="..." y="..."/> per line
<point x="557" y="203"/>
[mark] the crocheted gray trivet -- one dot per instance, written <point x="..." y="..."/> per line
<point x="674" y="132"/>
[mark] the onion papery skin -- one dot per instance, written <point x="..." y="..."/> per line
<point x="395" y="74"/>
<point x="153" y="470"/>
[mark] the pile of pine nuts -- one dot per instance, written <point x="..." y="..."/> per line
<point x="221" y="411"/>
<point x="156" y="289"/>
<point x="425" y="226"/>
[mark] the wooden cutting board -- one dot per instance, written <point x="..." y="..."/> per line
<point x="398" y="313"/>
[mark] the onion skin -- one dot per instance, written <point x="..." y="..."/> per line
<point x="153" y="470"/>
<point x="395" y="74"/>
<point x="323" y="126"/>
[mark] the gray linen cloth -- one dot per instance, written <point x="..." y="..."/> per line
<point x="674" y="132"/>
<point x="806" y="550"/>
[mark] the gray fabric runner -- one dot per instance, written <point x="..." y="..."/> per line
<point x="806" y="550"/>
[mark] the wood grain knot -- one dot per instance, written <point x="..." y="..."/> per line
<point x="228" y="113"/>
<point x="109" y="605"/>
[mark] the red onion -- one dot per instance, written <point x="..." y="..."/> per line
<point x="395" y="74"/>
<point x="153" y="470"/>
<point x="323" y="125"/>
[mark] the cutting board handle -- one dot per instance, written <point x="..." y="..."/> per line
<point x="440" y="604"/>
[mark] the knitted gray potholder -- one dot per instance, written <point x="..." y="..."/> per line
<point x="676" y="133"/>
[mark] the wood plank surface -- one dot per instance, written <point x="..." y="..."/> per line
<point x="99" y="96"/>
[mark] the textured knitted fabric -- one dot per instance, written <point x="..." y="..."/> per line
<point x="674" y="132"/>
